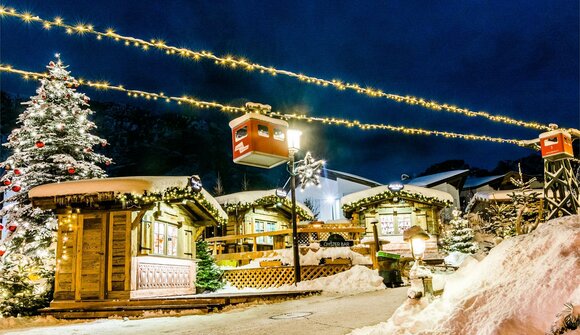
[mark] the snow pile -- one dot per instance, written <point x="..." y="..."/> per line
<point x="357" y="279"/>
<point x="456" y="258"/>
<point x="519" y="288"/>
<point x="286" y="256"/>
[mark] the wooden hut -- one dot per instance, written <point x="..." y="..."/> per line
<point x="126" y="238"/>
<point x="396" y="210"/>
<point x="252" y="212"/>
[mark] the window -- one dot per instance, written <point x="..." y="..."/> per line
<point x="387" y="225"/>
<point x="264" y="226"/>
<point x="403" y="222"/>
<point x="171" y="240"/>
<point x="395" y="224"/>
<point x="279" y="134"/>
<point x="188" y="242"/>
<point x="241" y="133"/>
<point x="263" y="131"/>
<point x="159" y="238"/>
<point x="165" y="238"/>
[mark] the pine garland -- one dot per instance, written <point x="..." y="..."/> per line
<point x="265" y="201"/>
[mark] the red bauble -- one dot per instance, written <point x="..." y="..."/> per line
<point x="104" y="144"/>
<point x="16" y="188"/>
<point x="12" y="227"/>
<point x="39" y="144"/>
<point x="68" y="96"/>
<point x="2" y="252"/>
<point x="71" y="170"/>
<point x="7" y="182"/>
<point x="17" y="172"/>
<point x="107" y="163"/>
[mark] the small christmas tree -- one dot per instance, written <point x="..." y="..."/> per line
<point x="52" y="144"/>
<point x="499" y="220"/>
<point x="526" y="202"/>
<point x="209" y="276"/>
<point x="461" y="236"/>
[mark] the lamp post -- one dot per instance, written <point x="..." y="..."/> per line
<point x="419" y="275"/>
<point x="293" y="148"/>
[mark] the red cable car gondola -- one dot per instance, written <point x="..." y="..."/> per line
<point x="259" y="140"/>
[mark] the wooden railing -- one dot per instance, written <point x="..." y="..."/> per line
<point x="307" y="235"/>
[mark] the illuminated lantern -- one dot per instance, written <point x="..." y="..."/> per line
<point x="259" y="140"/>
<point x="556" y="144"/>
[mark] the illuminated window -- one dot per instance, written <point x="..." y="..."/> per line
<point x="241" y="133"/>
<point x="171" y="240"/>
<point x="165" y="239"/>
<point x="279" y="134"/>
<point x="159" y="238"/>
<point x="387" y="225"/>
<point x="403" y="222"/>
<point x="263" y="131"/>
<point x="264" y="226"/>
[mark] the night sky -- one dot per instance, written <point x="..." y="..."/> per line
<point x="515" y="58"/>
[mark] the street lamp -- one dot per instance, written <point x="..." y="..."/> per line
<point x="419" y="275"/>
<point x="293" y="148"/>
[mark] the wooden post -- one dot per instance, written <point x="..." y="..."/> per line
<point x="255" y="246"/>
<point x="561" y="193"/>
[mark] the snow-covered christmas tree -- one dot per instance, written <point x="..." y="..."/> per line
<point x="52" y="144"/>
<point x="527" y="204"/>
<point x="209" y="276"/>
<point x="461" y="235"/>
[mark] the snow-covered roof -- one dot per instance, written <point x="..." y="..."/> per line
<point x="237" y="121"/>
<point x="502" y="195"/>
<point x="407" y="190"/>
<point x="251" y="197"/>
<point x="348" y="176"/>
<point x="437" y="178"/>
<point x="120" y="185"/>
<point x="477" y="182"/>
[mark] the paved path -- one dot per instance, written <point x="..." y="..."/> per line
<point x="325" y="314"/>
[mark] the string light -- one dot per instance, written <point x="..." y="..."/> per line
<point x="242" y="63"/>
<point x="299" y="117"/>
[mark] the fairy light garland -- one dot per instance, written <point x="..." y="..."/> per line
<point x="389" y="195"/>
<point x="265" y="201"/>
<point x="242" y="63"/>
<point x="299" y="117"/>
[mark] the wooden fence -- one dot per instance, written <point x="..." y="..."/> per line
<point x="278" y="276"/>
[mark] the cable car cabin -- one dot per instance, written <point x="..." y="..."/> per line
<point x="556" y="144"/>
<point x="259" y="140"/>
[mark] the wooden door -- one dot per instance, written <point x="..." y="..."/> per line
<point x="91" y="258"/>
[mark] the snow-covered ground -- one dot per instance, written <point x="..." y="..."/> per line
<point x="519" y="288"/>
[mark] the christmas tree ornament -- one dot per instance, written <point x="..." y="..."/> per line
<point x="71" y="170"/>
<point x="7" y="167"/>
<point x="16" y="188"/>
<point x="12" y="227"/>
<point x="104" y="143"/>
<point x="7" y="182"/>
<point x="2" y="250"/>
<point x="107" y="163"/>
<point x="39" y="144"/>
<point x="17" y="172"/>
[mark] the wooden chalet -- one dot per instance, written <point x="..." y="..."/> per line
<point x="126" y="238"/>
<point x="397" y="211"/>
<point x="257" y="212"/>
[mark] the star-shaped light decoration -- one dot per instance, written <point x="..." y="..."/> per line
<point x="308" y="170"/>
